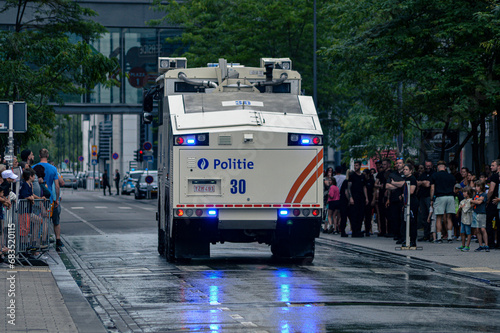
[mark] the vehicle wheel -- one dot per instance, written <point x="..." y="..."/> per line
<point x="170" y="245"/>
<point x="161" y="241"/>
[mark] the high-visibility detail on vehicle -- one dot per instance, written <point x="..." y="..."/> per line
<point x="302" y="177"/>
<point x="310" y="182"/>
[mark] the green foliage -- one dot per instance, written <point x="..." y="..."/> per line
<point x="443" y="52"/>
<point x="47" y="56"/>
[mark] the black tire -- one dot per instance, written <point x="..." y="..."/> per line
<point x="161" y="241"/>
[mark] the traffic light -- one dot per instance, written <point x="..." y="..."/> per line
<point x="141" y="155"/>
<point x="136" y="155"/>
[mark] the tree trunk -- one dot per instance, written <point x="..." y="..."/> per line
<point x="482" y="146"/>
<point x="475" y="145"/>
<point x="443" y="138"/>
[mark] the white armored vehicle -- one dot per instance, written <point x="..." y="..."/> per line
<point x="240" y="159"/>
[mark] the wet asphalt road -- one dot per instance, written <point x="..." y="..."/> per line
<point x="111" y="252"/>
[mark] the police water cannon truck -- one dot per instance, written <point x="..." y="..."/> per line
<point x="240" y="159"/>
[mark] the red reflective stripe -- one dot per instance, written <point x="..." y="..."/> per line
<point x="276" y="205"/>
<point x="310" y="182"/>
<point x="229" y="205"/>
<point x="257" y="205"/>
<point x="238" y="205"/>
<point x="286" y="206"/>
<point x="248" y="205"/>
<point x="219" y="205"/>
<point x="267" y="205"/>
<point x="189" y="205"/>
<point x="210" y="205"/>
<point x="303" y="176"/>
<point x="200" y="205"/>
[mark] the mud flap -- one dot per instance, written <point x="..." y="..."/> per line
<point x="294" y="238"/>
<point x="192" y="237"/>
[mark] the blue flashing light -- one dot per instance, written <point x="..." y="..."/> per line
<point x="212" y="212"/>
<point x="191" y="141"/>
<point x="133" y="169"/>
<point x="283" y="212"/>
<point x="305" y="141"/>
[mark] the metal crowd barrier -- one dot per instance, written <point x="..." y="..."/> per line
<point x="31" y="221"/>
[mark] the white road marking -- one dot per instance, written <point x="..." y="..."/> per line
<point x="76" y="207"/>
<point x="100" y="207"/>
<point x="87" y="223"/>
<point x="125" y="207"/>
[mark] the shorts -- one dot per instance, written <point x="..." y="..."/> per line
<point x="334" y="205"/>
<point x="56" y="214"/>
<point x="478" y="220"/>
<point x="444" y="205"/>
<point x="465" y="229"/>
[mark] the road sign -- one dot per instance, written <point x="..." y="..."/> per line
<point x="94" y="148"/>
<point x="147" y="146"/>
<point x="20" y="117"/>
<point x="115" y="156"/>
<point x="66" y="161"/>
<point x="148" y="157"/>
<point x="80" y="158"/>
<point x="94" y="162"/>
<point x="149" y="179"/>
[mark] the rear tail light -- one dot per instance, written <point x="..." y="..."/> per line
<point x="306" y="212"/>
<point x="199" y="212"/>
<point x="315" y="212"/>
<point x="296" y="212"/>
<point x="189" y="212"/>
<point x="200" y="139"/>
<point x="179" y="212"/>
<point x="295" y="139"/>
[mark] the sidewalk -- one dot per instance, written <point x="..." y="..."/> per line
<point x="45" y="299"/>
<point x="479" y="265"/>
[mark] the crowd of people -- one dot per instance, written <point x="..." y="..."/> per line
<point x="31" y="181"/>
<point x="447" y="203"/>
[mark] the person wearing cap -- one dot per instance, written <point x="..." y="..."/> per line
<point x="442" y="200"/>
<point x="5" y="184"/>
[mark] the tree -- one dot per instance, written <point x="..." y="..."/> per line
<point x="47" y="57"/>
<point x="441" y="53"/>
<point x="244" y="31"/>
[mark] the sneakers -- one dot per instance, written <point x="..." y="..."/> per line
<point x="460" y="248"/>
<point x="486" y="248"/>
<point x="450" y="240"/>
<point x="466" y="249"/>
<point x="438" y="241"/>
<point x="479" y="249"/>
<point x="59" y="245"/>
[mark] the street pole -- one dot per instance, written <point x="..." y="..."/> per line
<point x="10" y="160"/>
<point x="315" y="88"/>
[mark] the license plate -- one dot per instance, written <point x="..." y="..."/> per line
<point x="204" y="188"/>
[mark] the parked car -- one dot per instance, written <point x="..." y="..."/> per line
<point x="81" y="179"/>
<point x="128" y="182"/>
<point x="70" y="179"/>
<point x="141" y="187"/>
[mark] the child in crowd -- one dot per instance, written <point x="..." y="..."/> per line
<point x="327" y="182"/>
<point x="465" y="211"/>
<point x="479" y="216"/>
<point x="333" y="207"/>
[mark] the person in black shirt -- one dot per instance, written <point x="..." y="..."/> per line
<point x="370" y="190"/>
<point x="105" y="182"/>
<point x="117" y="181"/>
<point x="424" y="197"/>
<point x="394" y="184"/>
<point x="492" y="205"/>
<point x="414" y="203"/>
<point x="383" y="228"/>
<point x="357" y="199"/>
<point x="443" y="200"/>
